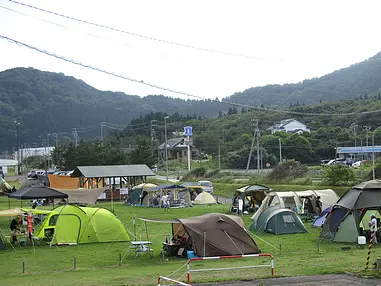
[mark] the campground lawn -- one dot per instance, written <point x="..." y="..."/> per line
<point x="98" y="264"/>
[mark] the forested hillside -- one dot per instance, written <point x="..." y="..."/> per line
<point x="46" y="103"/>
<point x="233" y="133"/>
<point x="357" y="80"/>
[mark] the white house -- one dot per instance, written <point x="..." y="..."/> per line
<point x="289" y="125"/>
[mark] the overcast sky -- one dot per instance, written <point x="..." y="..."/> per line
<point x="289" y="41"/>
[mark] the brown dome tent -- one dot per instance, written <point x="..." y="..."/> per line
<point x="213" y="234"/>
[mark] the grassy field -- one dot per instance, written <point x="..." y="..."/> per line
<point x="98" y="264"/>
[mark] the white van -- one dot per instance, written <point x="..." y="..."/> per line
<point x="206" y="185"/>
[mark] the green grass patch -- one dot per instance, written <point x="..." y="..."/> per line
<point x="98" y="264"/>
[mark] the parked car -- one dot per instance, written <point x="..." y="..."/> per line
<point x="206" y="185"/>
<point x="359" y="163"/>
<point x="32" y="173"/>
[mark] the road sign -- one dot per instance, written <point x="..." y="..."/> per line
<point x="188" y="131"/>
<point x="188" y="141"/>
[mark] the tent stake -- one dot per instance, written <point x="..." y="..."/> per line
<point x="120" y="259"/>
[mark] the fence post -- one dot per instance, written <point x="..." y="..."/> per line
<point x="23" y="267"/>
<point x="75" y="263"/>
<point x="120" y="259"/>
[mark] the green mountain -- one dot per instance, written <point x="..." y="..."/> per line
<point x="46" y="103"/>
<point x="357" y="80"/>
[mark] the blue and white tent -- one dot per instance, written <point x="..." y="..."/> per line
<point x="320" y="219"/>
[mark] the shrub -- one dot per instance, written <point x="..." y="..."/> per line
<point x="195" y="173"/>
<point x="339" y="174"/>
<point x="288" y="170"/>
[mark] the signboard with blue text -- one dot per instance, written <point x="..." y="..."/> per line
<point x="363" y="149"/>
<point x="188" y="131"/>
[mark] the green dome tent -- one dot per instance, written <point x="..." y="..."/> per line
<point x="349" y="216"/>
<point x="70" y="224"/>
<point x="278" y="220"/>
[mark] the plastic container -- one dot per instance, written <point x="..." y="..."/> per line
<point x="361" y="240"/>
<point x="190" y="254"/>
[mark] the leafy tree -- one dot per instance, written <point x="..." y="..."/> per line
<point x="142" y="153"/>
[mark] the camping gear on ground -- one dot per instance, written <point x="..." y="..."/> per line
<point x="252" y="196"/>
<point x="278" y="220"/>
<point x="205" y="198"/>
<point x="349" y="217"/>
<point x="211" y="234"/>
<point x="70" y="224"/>
<point x="320" y="219"/>
<point x="301" y="202"/>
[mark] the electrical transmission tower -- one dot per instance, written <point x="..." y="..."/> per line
<point x="255" y="137"/>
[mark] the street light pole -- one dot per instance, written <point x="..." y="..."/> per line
<point x="374" y="132"/>
<point x="48" y="150"/>
<point x="166" y="145"/>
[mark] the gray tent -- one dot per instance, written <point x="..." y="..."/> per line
<point x="214" y="234"/>
<point x="349" y="216"/>
<point x="278" y="220"/>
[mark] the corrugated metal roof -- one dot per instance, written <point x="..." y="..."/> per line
<point x="112" y="171"/>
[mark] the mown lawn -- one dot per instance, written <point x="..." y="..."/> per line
<point x="98" y="264"/>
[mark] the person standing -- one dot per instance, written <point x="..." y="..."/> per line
<point x="240" y="205"/>
<point x="373" y="227"/>
<point x="318" y="205"/>
<point x="15" y="228"/>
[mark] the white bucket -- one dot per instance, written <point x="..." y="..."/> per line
<point x="361" y="240"/>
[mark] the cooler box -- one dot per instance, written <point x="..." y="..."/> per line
<point x="190" y="254"/>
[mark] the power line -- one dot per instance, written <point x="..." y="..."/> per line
<point x="143" y="36"/>
<point x="62" y="26"/>
<point x="180" y="92"/>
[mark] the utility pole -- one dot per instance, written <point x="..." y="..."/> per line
<point x="219" y="156"/>
<point x="55" y="135"/>
<point x="354" y="125"/>
<point x="153" y="137"/>
<point x="280" y="151"/>
<point x="75" y="134"/>
<point x="166" y="145"/>
<point x="103" y="124"/>
<point x="48" y="153"/>
<point x="17" y="146"/>
<point x="257" y="147"/>
<point x="252" y="146"/>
